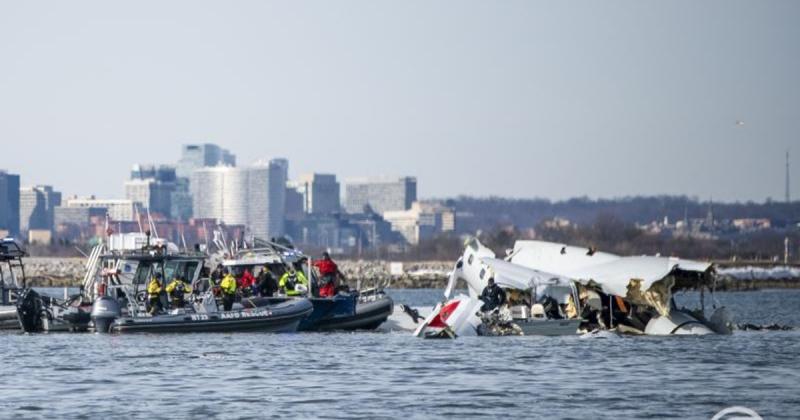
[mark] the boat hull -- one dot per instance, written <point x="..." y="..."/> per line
<point x="368" y="316"/>
<point x="549" y="327"/>
<point x="8" y="318"/>
<point x="340" y="313"/>
<point x="279" y="318"/>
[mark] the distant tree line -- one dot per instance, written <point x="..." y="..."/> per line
<point x="481" y="213"/>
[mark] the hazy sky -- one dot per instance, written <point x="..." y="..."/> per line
<point x="515" y="98"/>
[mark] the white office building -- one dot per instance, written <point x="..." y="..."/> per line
<point x="251" y="196"/>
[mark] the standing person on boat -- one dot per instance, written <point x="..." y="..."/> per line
<point x="217" y="275"/>
<point x="154" y="289"/>
<point x="176" y="290"/>
<point x="228" y="287"/>
<point x="328" y="272"/>
<point x="267" y="286"/>
<point x="493" y="296"/>
<point x="246" y="282"/>
<point x="293" y="282"/>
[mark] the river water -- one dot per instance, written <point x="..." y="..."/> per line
<point x="392" y="375"/>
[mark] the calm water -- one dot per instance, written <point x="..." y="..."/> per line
<point x="391" y="375"/>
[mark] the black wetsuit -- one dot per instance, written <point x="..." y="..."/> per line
<point x="267" y="285"/>
<point x="492" y="296"/>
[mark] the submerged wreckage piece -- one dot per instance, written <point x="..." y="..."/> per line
<point x="453" y="318"/>
<point x="531" y="306"/>
<point x="554" y="289"/>
<point x="632" y="294"/>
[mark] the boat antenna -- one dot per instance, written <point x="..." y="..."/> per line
<point x="205" y="236"/>
<point x="183" y="239"/>
<point x="138" y="218"/>
<point x="151" y="224"/>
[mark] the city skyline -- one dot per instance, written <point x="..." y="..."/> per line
<point x="524" y="99"/>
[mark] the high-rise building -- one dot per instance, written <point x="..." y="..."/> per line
<point x="253" y="196"/>
<point x="9" y="203"/>
<point x="197" y="156"/>
<point x="152" y="188"/>
<point x="320" y="192"/>
<point x="381" y="195"/>
<point x="194" y="157"/>
<point x="37" y="207"/>
<point x="119" y="210"/>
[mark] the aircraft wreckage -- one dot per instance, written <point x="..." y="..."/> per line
<point x="556" y="289"/>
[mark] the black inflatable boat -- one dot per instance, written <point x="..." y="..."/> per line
<point x="278" y="317"/>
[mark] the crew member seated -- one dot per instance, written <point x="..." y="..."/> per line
<point x="551" y="307"/>
<point x="293" y="282"/>
<point x="177" y="290"/>
<point x="493" y="296"/>
<point x="246" y="283"/>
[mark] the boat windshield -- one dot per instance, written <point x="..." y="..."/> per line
<point x="184" y="269"/>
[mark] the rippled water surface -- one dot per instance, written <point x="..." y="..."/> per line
<point x="391" y="375"/>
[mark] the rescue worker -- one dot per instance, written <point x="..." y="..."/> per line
<point x="328" y="272"/>
<point x="290" y="281"/>
<point x="217" y="275"/>
<point x="154" y="289"/>
<point x="246" y="282"/>
<point x="267" y="286"/>
<point x="176" y="290"/>
<point x="493" y="296"/>
<point x="228" y="287"/>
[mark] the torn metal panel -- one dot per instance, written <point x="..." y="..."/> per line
<point x="641" y="279"/>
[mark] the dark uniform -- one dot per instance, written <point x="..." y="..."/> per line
<point x="493" y="296"/>
<point x="267" y="285"/>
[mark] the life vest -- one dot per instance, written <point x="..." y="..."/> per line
<point x="228" y="285"/>
<point x="154" y="288"/>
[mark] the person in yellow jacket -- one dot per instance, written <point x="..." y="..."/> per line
<point x="154" y="289"/>
<point x="177" y="289"/>
<point x="293" y="282"/>
<point x="228" y="286"/>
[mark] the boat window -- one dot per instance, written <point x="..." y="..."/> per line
<point x="142" y="273"/>
<point x="171" y="270"/>
<point x="189" y="268"/>
<point x="483" y="273"/>
<point x="469" y="260"/>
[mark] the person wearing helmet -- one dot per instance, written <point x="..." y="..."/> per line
<point x="154" y="289"/>
<point x="493" y="296"/>
<point x="228" y="287"/>
<point x="328" y="272"/>
<point x="293" y="282"/>
<point x="176" y="290"/>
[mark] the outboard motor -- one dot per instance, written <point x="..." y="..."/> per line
<point x="31" y="312"/>
<point x="104" y="312"/>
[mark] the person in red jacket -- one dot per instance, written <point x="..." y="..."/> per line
<point x="328" y="271"/>
<point x="246" y="282"/>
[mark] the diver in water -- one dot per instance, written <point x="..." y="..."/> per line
<point x="493" y="296"/>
